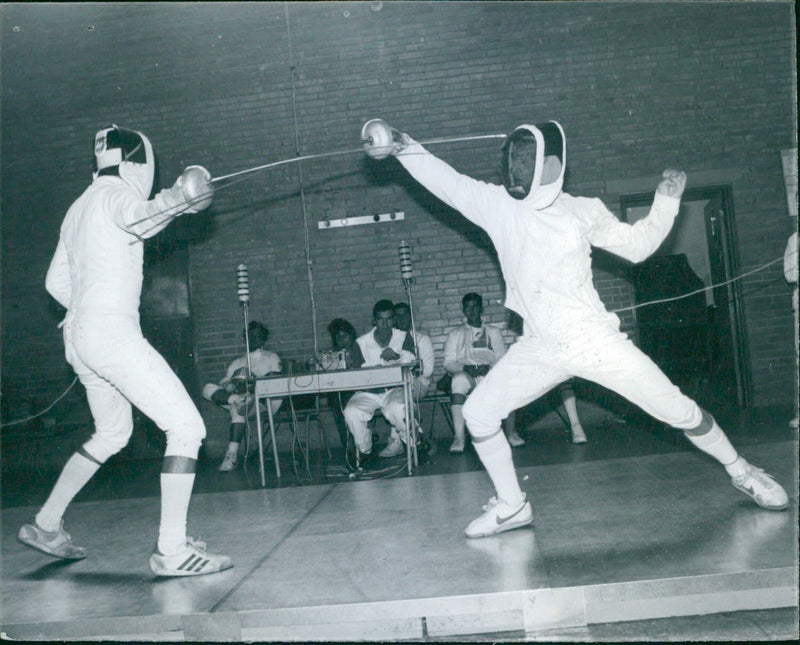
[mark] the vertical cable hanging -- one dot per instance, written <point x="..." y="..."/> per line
<point x="302" y="190"/>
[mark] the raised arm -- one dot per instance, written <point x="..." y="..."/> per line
<point x="636" y="242"/>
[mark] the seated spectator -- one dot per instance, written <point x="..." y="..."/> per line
<point x="424" y="349"/>
<point x="234" y="393"/>
<point x="343" y="339"/>
<point x="470" y="350"/>
<point x="382" y="345"/>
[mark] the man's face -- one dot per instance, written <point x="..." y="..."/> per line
<point x="384" y="320"/>
<point x="402" y="319"/>
<point x="472" y="311"/>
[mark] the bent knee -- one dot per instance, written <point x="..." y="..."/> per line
<point x="104" y="444"/>
<point x="185" y="439"/>
<point x="461" y="383"/>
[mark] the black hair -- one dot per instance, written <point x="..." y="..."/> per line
<point x="340" y="324"/>
<point x="381" y="306"/>
<point x="402" y="305"/>
<point x="259" y="334"/>
<point x="472" y="297"/>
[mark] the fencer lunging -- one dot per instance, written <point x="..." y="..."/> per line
<point x="543" y="238"/>
<point x="96" y="274"/>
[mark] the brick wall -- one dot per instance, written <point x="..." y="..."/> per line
<point x="703" y="86"/>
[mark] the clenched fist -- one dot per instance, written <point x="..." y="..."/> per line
<point x="673" y="183"/>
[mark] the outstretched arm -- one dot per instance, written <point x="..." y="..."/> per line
<point x="475" y="200"/>
<point x="191" y="193"/>
<point x="636" y="242"/>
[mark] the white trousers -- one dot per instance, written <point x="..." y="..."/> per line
<point x="362" y="406"/>
<point x="605" y="356"/>
<point x="118" y="367"/>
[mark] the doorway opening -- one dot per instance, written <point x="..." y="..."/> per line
<point x="699" y="341"/>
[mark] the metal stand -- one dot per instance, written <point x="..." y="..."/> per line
<point x="411" y="418"/>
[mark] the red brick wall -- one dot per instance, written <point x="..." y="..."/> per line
<point x="703" y="86"/>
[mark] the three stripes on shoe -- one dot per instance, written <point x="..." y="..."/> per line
<point x="194" y="562"/>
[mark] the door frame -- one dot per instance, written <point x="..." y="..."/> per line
<point x="730" y="262"/>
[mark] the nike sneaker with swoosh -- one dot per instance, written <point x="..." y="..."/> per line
<point x="500" y="516"/>
<point x="764" y="490"/>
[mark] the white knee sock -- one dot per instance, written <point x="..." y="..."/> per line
<point x="457" y="410"/>
<point x="176" y="491"/>
<point x="715" y="443"/>
<point x="76" y="473"/>
<point x="495" y="454"/>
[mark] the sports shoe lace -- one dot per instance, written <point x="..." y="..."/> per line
<point x="493" y="501"/>
<point x="198" y="544"/>
<point x="756" y="473"/>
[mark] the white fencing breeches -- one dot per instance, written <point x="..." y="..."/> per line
<point x="531" y="368"/>
<point x="118" y="367"/>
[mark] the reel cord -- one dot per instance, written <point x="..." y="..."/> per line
<point x="704" y="289"/>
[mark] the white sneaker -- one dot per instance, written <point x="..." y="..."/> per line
<point x="191" y="560"/>
<point x="57" y="543"/>
<point x="229" y="463"/>
<point x="578" y="435"/>
<point x="499" y="516"/>
<point x="764" y="490"/>
<point x="393" y="448"/>
<point x="794" y="423"/>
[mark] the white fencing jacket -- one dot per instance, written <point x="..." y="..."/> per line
<point x="545" y="251"/>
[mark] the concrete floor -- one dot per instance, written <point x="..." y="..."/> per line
<point x="633" y="529"/>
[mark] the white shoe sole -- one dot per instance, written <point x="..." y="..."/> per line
<point x="182" y="573"/>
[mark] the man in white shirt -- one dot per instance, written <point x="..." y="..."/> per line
<point x="470" y="350"/>
<point x="381" y="345"/>
<point x="423" y="347"/>
<point x="234" y="393"/>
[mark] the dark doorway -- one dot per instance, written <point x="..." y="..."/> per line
<point x="698" y="339"/>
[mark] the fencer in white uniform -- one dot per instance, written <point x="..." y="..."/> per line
<point x="543" y="237"/>
<point x="96" y="274"/>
